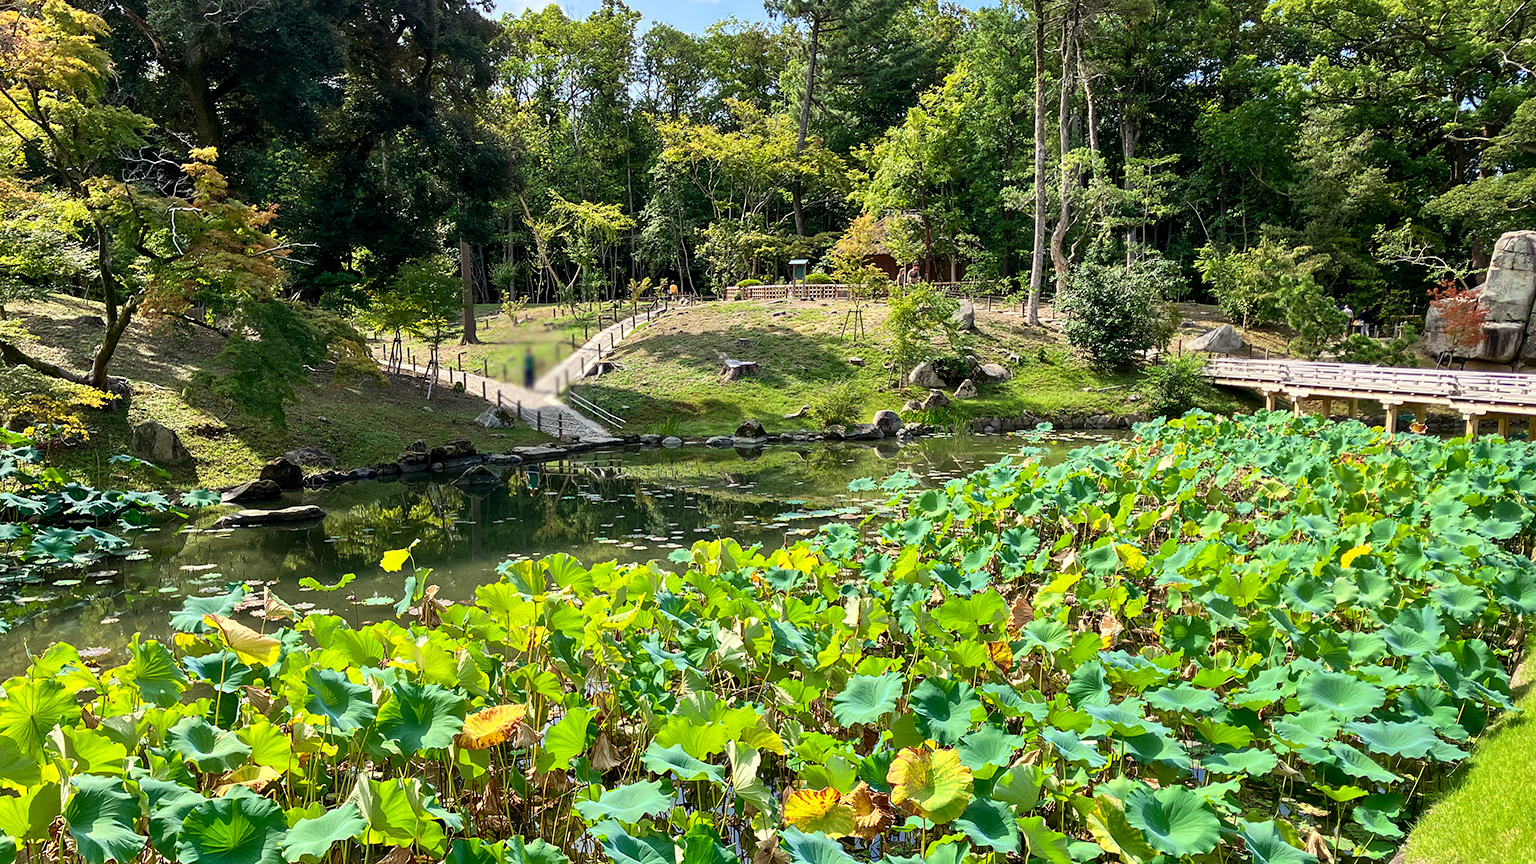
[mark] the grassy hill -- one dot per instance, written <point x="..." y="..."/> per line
<point x="357" y="422"/>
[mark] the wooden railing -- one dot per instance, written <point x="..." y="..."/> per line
<point x="791" y="292"/>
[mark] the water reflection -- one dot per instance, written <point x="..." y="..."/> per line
<point x="629" y="506"/>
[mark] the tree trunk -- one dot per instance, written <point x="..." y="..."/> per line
<point x="467" y="278"/>
<point x="205" y="114"/>
<point x="1037" y="260"/>
<point x="805" y="119"/>
<point x="1063" y="219"/>
<point x="1130" y="134"/>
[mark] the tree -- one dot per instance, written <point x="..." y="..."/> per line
<point x="1117" y="312"/>
<point x="158" y="249"/>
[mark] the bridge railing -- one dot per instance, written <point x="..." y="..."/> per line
<point x="1469" y="387"/>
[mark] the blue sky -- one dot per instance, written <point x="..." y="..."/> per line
<point x="690" y="15"/>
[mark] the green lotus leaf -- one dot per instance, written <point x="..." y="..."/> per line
<point x="209" y="748"/>
<point x="967" y="616"/>
<point x="537" y="852"/>
<point x="1047" y="634"/>
<point x="1125" y="719"/>
<point x="944" y="708"/>
<point x="29" y="815"/>
<point x="626" y="803"/>
<point x="420" y="717"/>
<point x="1019" y="786"/>
<point x="1073" y="748"/>
<point x="867" y="698"/>
<point x="169" y="804"/>
<point x="1183" y="698"/>
<point x="1158" y="747"/>
<point x="815" y="848"/>
<point x="1175" y="820"/>
<point x="621" y="848"/>
<point x="1416" y="630"/>
<point x="31" y="708"/>
<point x="399" y="814"/>
<point x="990" y="824"/>
<point x="1106" y="821"/>
<point x="152" y="669"/>
<point x="703" y="845"/>
<point x="1413" y="739"/>
<point x="1043" y="843"/>
<point x="1357" y="764"/>
<point x="674" y="759"/>
<point x="988" y="747"/>
<point x="222" y="669"/>
<point x="1088" y="685"/>
<point x="239" y="828"/>
<point x="347" y="706"/>
<point x="1463" y="602"/>
<point x="1188" y="634"/>
<point x="1248" y="760"/>
<point x="311" y="838"/>
<point x="101" y="814"/>
<point x="22" y="769"/>
<point x="1268" y="846"/>
<point x="565" y="740"/>
<point x="1344" y="696"/>
<point x="190" y="618"/>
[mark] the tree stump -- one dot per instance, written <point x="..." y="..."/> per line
<point x="734" y="370"/>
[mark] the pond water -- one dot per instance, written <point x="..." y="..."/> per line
<point x="633" y="505"/>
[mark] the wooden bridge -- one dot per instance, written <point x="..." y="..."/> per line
<point x="1475" y="395"/>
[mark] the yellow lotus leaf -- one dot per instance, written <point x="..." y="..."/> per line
<point x="1349" y="557"/>
<point x="251" y="647"/>
<point x="933" y="783"/>
<point x="254" y="776"/>
<point x="871" y="813"/>
<point x="1001" y="654"/>
<point x="394" y="559"/>
<point x="485" y="729"/>
<point x="821" y="810"/>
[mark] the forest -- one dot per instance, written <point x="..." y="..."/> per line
<point x="219" y="161"/>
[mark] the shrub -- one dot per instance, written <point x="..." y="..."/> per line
<point x="1117" y="311"/>
<point x="748" y="283"/>
<point x="1398" y="351"/>
<point x="1319" y="324"/>
<point x="1176" y="385"/>
<point x="838" y="404"/>
<point x="819" y="279"/>
<point x="916" y="314"/>
<point x="1248" y="285"/>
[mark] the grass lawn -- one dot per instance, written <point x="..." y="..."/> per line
<point x="551" y="333"/>
<point x="358" y="423"/>
<point x="669" y="380"/>
<point x="1488" y="819"/>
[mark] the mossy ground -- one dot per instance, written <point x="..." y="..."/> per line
<point x="669" y="375"/>
<point x="357" y="422"/>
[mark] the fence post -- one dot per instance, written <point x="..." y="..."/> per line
<point x="482" y="389"/>
<point x="559" y="424"/>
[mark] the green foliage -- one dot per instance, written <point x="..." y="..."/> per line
<point x="819" y="278"/>
<point x="1249" y="284"/>
<point x="838" y="404"/>
<point x="1400" y="350"/>
<point x="917" y="313"/>
<point x="1118" y="312"/>
<point x="1175" y="384"/>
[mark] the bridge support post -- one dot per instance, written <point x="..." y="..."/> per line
<point x="1296" y="408"/>
<point x="1390" y="423"/>
<point x="1504" y="426"/>
<point x="1472" y="421"/>
<point x="1354" y="408"/>
<point x="1530" y="429"/>
<point x="1269" y="401"/>
<point x="1327" y="407"/>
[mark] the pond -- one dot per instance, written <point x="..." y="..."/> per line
<point x="633" y="505"/>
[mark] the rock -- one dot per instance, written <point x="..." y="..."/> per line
<point x="833" y="433"/>
<point x="497" y="417"/>
<point x="1015" y="359"/>
<point x="455" y="449"/>
<point x="671" y="442"/>
<point x="503" y="459"/>
<point x="159" y="444"/>
<point x="924" y="375"/>
<point x="936" y="399"/>
<point x="863" y="432"/>
<point x="912" y="405"/>
<point x="965" y="317"/>
<point x="282" y="516"/>
<point x="310" y="457"/>
<point x="538" y="453"/>
<point x="417" y="446"/>
<point x="719" y="441"/>
<point x="478" y="475"/>
<point x="650" y="440"/>
<point x="744" y="443"/>
<point x="966" y="390"/>
<point x="888" y="422"/>
<point x="1508" y="294"/>
<point x="602" y="441"/>
<point x="1222" y="340"/>
<point x="804" y="410"/>
<point x="855" y="361"/>
<point x="995" y="372"/>
<point x="286" y="474"/>
<point x="254" y="490"/>
<point x="749" y="428"/>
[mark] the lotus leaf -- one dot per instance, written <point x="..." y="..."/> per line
<point x="101" y="814"/>
<point x="1175" y="820"/>
<point x="627" y="803"/>
<point x="206" y="746"/>
<point x="420" y="717"/>
<point x="239" y="828"/>
<point x="935" y="782"/>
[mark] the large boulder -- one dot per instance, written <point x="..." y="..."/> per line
<point x="286" y="474"/>
<point x="1508" y="295"/>
<point x="455" y="449"/>
<point x="936" y="399"/>
<point x="497" y="417"/>
<point x="281" y="516"/>
<point x="924" y="375"/>
<point x="964" y="318"/>
<point x="720" y="441"/>
<point x="1222" y="340"/>
<point x="671" y="442"/>
<point x="863" y="432"/>
<point x="966" y="390"/>
<point x="995" y="371"/>
<point x="888" y="422"/>
<point x="159" y="444"/>
<point x="254" y="490"/>
<point x="749" y="428"/>
<point x="310" y="457"/>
